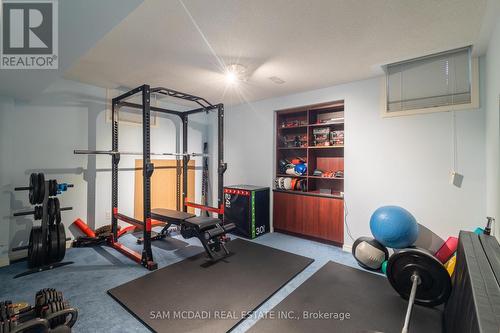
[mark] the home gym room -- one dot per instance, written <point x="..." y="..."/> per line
<point x="250" y="166"/>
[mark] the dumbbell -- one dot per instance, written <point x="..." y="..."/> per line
<point x="419" y="277"/>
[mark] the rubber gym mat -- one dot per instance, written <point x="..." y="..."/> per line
<point x="193" y="296"/>
<point x="322" y="302"/>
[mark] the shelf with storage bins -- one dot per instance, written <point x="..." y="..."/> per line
<point x="314" y="135"/>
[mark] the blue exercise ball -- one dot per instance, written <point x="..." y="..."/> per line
<point x="394" y="227"/>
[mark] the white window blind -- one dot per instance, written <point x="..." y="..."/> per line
<point x="438" y="80"/>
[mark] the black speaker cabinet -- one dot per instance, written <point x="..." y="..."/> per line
<point x="247" y="206"/>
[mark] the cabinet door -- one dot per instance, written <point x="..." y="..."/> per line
<point x="310" y="216"/>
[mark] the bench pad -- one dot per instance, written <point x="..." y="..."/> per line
<point x="202" y="222"/>
<point x="170" y="215"/>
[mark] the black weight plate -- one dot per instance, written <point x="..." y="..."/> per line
<point x="57" y="209"/>
<point x="38" y="212"/>
<point x="53" y="187"/>
<point x="51" y="211"/>
<point x="37" y="238"/>
<point x="30" y="249"/>
<point x="33" y="195"/>
<point x="3" y="313"/>
<point x="41" y="184"/>
<point x="42" y="248"/>
<point x="44" y="297"/>
<point x="61" y="239"/>
<point x="56" y="307"/>
<point x="36" y="257"/>
<point x="435" y="284"/>
<point x="53" y="255"/>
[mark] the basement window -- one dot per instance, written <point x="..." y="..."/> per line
<point x="444" y="81"/>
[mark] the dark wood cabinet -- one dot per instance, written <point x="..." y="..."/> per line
<point x="313" y="216"/>
<point x="310" y="203"/>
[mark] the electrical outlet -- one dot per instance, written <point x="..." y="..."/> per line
<point x="108" y="215"/>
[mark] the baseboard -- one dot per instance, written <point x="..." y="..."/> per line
<point x="4" y="261"/>
<point x="347" y="248"/>
<point x="18" y="255"/>
<point x="316" y="239"/>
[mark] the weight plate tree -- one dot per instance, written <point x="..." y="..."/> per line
<point x="47" y="242"/>
<point x="420" y="278"/>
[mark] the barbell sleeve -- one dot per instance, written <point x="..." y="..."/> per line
<point x="31" y="212"/>
<point x="22" y="188"/>
<point x="415" y="279"/>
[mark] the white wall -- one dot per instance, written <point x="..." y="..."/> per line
<point x="492" y="108"/>
<point x="41" y="136"/>
<point x="6" y="105"/>
<point x="403" y="161"/>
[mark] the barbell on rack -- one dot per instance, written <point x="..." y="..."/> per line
<point x="111" y="153"/>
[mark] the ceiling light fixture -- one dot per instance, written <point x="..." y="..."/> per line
<point x="235" y="73"/>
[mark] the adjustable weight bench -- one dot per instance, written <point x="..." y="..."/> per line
<point x="207" y="229"/>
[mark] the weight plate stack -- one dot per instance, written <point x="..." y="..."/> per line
<point x="41" y="188"/>
<point x="54" y="307"/>
<point x="8" y="321"/>
<point x="46" y="296"/>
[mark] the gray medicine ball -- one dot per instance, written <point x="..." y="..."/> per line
<point x="369" y="253"/>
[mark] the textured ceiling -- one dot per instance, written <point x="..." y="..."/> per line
<point x="184" y="45"/>
<point x="81" y="25"/>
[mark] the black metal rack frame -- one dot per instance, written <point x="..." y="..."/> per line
<point x="146" y="258"/>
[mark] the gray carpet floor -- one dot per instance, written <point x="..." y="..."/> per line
<point x="95" y="270"/>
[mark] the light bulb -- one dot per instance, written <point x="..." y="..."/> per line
<point x="231" y="77"/>
<point x="235" y="73"/>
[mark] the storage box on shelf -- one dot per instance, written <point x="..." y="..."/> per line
<point x="313" y="198"/>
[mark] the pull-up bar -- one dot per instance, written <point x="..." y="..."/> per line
<point x="111" y="152"/>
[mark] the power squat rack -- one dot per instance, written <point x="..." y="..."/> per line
<point x="210" y="231"/>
